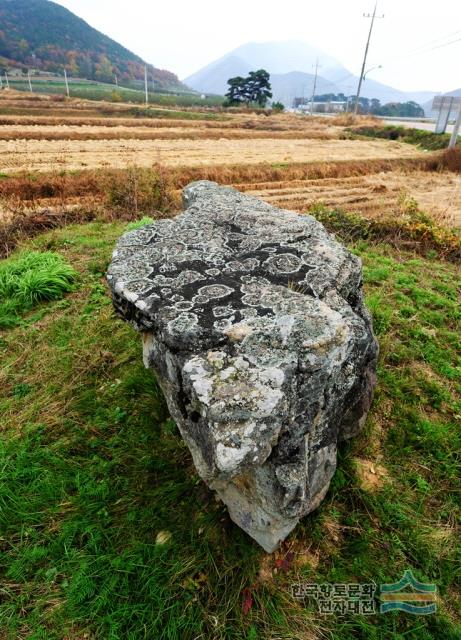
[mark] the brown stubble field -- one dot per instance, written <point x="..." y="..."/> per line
<point x="73" y="155"/>
<point x="372" y="195"/>
<point x="56" y="155"/>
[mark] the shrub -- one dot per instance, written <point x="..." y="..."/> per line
<point x="278" y="106"/>
<point x="30" y="278"/>
<point x="414" y="230"/>
<point x="451" y="159"/>
<point x="116" y="96"/>
<point x="143" y="191"/>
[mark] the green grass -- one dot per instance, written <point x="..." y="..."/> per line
<point x="107" y="532"/>
<point x="30" y="278"/>
<point x="136" y="224"/>
<point x="426" y="140"/>
<point x="91" y="90"/>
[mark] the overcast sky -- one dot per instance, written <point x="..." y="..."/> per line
<point x="184" y="35"/>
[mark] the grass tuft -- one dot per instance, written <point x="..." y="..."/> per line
<point x="30" y="278"/>
<point x="451" y="159"/>
<point x="137" y="224"/>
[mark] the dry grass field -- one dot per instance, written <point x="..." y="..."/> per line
<point x="49" y="136"/>
<point x="62" y="140"/>
<point x="72" y="155"/>
<point x="63" y="155"/>
<point x="373" y="195"/>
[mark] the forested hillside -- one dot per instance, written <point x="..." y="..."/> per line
<point x="43" y="35"/>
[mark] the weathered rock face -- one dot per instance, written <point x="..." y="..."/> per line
<point x="252" y="318"/>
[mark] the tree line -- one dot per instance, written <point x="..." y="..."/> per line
<point x="374" y="107"/>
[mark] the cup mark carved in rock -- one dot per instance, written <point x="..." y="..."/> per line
<point x="253" y="320"/>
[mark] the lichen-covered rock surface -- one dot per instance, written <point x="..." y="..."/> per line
<point x="253" y="320"/>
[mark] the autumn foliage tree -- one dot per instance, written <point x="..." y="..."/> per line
<point x="104" y="71"/>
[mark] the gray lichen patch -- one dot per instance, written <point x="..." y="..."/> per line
<point x="253" y="319"/>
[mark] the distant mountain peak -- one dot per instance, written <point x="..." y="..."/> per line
<point x="291" y="65"/>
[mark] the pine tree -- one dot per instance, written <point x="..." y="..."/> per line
<point x="255" y="88"/>
<point x="258" y="87"/>
<point x="236" y="92"/>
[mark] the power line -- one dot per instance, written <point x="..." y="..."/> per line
<point x="427" y="44"/>
<point x="425" y="48"/>
<point x="440" y="46"/>
<point x="414" y="52"/>
<point x="423" y="51"/>
<point x="419" y="51"/>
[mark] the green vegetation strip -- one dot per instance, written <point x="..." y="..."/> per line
<point x="425" y="139"/>
<point x="107" y="532"/>
<point x="170" y="114"/>
<point x="101" y="91"/>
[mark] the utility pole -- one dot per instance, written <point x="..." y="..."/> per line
<point x="116" y="81"/>
<point x="454" y="135"/>
<point x="7" y="81"/>
<point x="373" y="16"/>
<point x="145" y="85"/>
<point x="315" y="85"/>
<point x="67" y="83"/>
<point x="30" y="83"/>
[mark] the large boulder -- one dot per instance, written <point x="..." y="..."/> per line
<point x="253" y="320"/>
